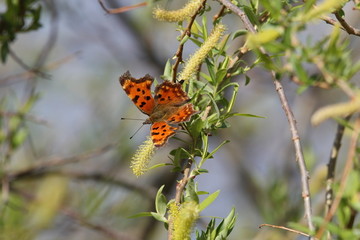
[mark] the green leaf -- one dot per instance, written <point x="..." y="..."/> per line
<point x="141" y="214"/>
<point x="256" y="40"/>
<point x="159" y="217"/>
<point x="321" y="9"/>
<point x="217" y="148"/>
<point x="239" y="33"/>
<point x="160" y="202"/>
<point x="184" y="40"/>
<point x="167" y="71"/>
<point x="251" y="15"/>
<point x="227" y="225"/>
<point x="19" y="137"/>
<point x="247" y="80"/>
<point x="159" y="165"/>
<point x="207" y="201"/>
<point x="246" y="115"/>
<point x="190" y="194"/>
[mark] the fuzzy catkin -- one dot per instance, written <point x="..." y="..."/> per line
<point x="184" y="217"/>
<point x="140" y="160"/>
<point x="177" y="15"/>
<point x="199" y="56"/>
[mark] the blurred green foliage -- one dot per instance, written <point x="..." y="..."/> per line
<point x="19" y="17"/>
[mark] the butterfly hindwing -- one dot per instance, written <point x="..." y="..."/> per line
<point x="139" y="91"/>
<point x="170" y="93"/>
<point x="160" y="133"/>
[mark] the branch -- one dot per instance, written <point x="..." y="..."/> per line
<point x="36" y="168"/>
<point x="285" y="228"/>
<point x="121" y="9"/>
<point x="110" y="233"/>
<point x="344" y="177"/>
<point x="99" y="177"/>
<point x="30" y="74"/>
<point x="187" y="32"/>
<point x="349" y="29"/>
<point x="332" y="165"/>
<point x="19" y="61"/>
<point x="291" y="119"/>
<point x="179" y="191"/>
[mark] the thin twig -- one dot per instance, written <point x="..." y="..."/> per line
<point x="179" y="51"/>
<point x="19" y="61"/>
<point x="219" y="14"/>
<point x="106" y="231"/>
<point x="344" y="177"/>
<point x="121" y="9"/>
<point x="31" y="74"/>
<point x="180" y="187"/>
<point x="27" y="116"/>
<point x="56" y="161"/>
<point x="291" y="119"/>
<point x="332" y="164"/>
<point x="285" y="228"/>
<point x="99" y="177"/>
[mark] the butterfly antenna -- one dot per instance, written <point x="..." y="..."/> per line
<point x="136" y="131"/>
<point x="136" y="119"/>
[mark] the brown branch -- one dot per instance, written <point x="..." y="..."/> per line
<point x="291" y="119"/>
<point x="56" y="161"/>
<point x="19" y="61"/>
<point x="219" y="14"/>
<point x="179" y="51"/>
<point x="99" y="177"/>
<point x="180" y="187"/>
<point x="344" y="177"/>
<point x="349" y="29"/>
<point x="332" y="164"/>
<point x="106" y="231"/>
<point x="31" y="74"/>
<point x="284" y="228"/>
<point x="121" y="9"/>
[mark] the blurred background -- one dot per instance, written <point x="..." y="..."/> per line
<point x="79" y="109"/>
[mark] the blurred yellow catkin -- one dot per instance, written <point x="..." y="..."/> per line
<point x="48" y="199"/>
<point x="183" y="218"/>
<point x="143" y="155"/>
<point x="199" y="56"/>
<point x="177" y="15"/>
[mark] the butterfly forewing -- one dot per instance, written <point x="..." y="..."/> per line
<point x="170" y="94"/>
<point x="139" y="91"/>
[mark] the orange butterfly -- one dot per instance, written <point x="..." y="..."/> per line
<point x="170" y="105"/>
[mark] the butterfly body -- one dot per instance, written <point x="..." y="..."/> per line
<point x="170" y="105"/>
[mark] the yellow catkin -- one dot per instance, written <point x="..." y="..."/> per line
<point x="183" y="218"/>
<point x="140" y="160"/>
<point x="198" y="57"/>
<point x="177" y="15"/>
<point x="336" y="110"/>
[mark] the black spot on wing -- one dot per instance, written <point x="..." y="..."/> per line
<point x="136" y="98"/>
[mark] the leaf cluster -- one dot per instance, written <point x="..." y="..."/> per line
<point x="19" y="17"/>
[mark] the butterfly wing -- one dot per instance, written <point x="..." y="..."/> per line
<point x="139" y="91"/>
<point x="182" y="114"/>
<point x="169" y="93"/>
<point x="160" y="133"/>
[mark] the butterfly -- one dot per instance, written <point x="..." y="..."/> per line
<point x="169" y="105"/>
